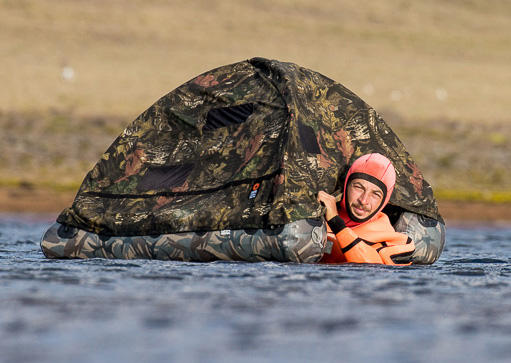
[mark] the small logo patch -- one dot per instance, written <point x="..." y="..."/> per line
<point x="225" y="232"/>
<point x="254" y="191"/>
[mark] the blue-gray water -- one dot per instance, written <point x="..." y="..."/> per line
<point x="457" y="310"/>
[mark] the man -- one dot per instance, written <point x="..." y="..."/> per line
<point x="358" y="230"/>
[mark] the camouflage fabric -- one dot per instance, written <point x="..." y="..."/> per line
<point x="285" y="133"/>
<point x="427" y="234"/>
<point x="301" y="241"/>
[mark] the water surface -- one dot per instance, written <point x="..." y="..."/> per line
<point x="457" y="310"/>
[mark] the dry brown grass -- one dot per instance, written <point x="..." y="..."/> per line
<point x="421" y="64"/>
<point x="128" y="53"/>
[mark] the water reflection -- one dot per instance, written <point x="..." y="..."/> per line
<point x="458" y="309"/>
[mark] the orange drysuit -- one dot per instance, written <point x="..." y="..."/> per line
<point x="372" y="240"/>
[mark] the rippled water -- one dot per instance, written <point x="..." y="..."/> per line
<point x="457" y="310"/>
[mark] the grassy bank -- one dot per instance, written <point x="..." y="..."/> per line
<point x="75" y="73"/>
<point x="427" y="61"/>
<point x="461" y="162"/>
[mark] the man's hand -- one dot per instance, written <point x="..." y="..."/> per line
<point x="329" y="202"/>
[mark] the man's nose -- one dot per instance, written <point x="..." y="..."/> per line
<point x="364" y="198"/>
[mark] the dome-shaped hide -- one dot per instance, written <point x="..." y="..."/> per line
<point x="228" y="166"/>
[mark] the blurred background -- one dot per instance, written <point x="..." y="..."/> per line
<point x="75" y="73"/>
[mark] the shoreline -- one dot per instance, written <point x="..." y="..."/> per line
<point x="31" y="200"/>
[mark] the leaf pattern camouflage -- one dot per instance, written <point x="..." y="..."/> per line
<point x="294" y="132"/>
<point x="428" y="235"/>
<point x="300" y="242"/>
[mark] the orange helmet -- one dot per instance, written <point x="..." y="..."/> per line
<point x="377" y="169"/>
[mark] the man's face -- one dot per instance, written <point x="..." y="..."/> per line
<point x="363" y="198"/>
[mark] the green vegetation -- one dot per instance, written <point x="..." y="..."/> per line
<point x="474" y="196"/>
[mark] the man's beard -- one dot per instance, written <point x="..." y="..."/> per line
<point x="362" y="207"/>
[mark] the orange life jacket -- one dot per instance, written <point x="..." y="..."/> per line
<point x="372" y="242"/>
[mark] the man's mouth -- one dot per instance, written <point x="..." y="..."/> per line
<point x="357" y="209"/>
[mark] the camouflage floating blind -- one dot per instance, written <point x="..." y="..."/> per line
<point x="247" y="145"/>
